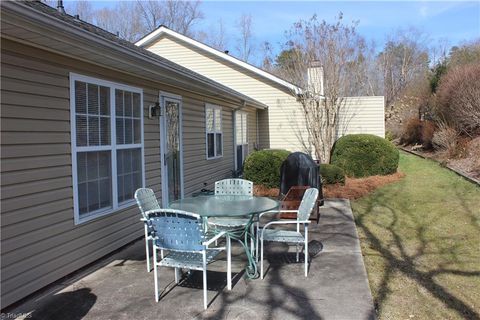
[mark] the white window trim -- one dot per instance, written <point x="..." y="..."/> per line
<point x="215" y="108"/>
<point x="112" y="147"/>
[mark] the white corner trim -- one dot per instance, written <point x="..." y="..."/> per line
<point x="164" y="30"/>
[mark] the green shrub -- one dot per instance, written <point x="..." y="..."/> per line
<point x="389" y="135"/>
<point x="363" y="155"/>
<point x="263" y="167"/>
<point x="332" y="174"/>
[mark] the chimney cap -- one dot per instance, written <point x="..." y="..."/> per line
<point x="60" y="7"/>
<point x="315" y="64"/>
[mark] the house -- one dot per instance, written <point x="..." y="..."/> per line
<point x="282" y="125"/>
<point x="80" y="131"/>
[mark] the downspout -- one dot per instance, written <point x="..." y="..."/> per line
<point x="257" y="147"/>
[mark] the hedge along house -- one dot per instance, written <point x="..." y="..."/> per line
<point x="80" y="132"/>
<point x="282" y="125"/>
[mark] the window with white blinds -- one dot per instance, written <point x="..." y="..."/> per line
<point x="107" y="145"/>
<point x="213" y="124"/>
<point x="241" y="138"/>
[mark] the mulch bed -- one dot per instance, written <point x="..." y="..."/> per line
<point x="354" y="188"/>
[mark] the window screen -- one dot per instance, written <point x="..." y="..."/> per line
<point x="95" y="104"/>
<point x="213" y="124"/>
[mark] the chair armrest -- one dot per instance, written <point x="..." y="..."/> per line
<point x="211" y="240"/>
<point x="285" y="222"/>
<point x="276" y="211"/>
<point x="267" y="212"/>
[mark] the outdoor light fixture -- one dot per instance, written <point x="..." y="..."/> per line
<point x="154" y="110"/>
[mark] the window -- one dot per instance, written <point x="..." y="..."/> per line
<point x="241" y="141"/>
<point x="213" y="123"/>
<point x="107" y="145"/>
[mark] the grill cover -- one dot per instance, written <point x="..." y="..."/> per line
<point x="299" y="169"/>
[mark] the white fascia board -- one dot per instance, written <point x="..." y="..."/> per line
<point x="164" y="30"/>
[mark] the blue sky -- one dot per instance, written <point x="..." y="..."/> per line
<point x="456" y="21"/>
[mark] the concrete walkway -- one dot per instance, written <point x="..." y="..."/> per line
<point x="120" y="288"/>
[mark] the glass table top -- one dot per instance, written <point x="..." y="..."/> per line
<point x="225" y="206"/>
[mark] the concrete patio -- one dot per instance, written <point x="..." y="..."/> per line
<point x="118" y="287"/>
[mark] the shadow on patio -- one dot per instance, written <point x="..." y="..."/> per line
<point x="336" y="287"/>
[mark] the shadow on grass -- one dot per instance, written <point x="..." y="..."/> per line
<point x="403" y="262"/>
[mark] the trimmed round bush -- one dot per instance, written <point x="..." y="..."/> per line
<point x="331" y="174"/>
<point x="363" y="155"/>
<point x="263" y="167"/>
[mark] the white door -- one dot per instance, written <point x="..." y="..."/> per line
<point x="171" y="149"/>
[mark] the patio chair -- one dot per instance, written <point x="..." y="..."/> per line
<point x="146" y="201"/>
<point x="232" y="187"/>
<point x="267" y="233"/>
<point x="229" y="187"/>
<point x="182" y="234"/>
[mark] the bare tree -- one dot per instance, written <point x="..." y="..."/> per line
<point x="123" y="19"/>
<point x="132" y="20"/>
<point x="245" y="45"/>
<point x="439" y="52"/>
<point x="215" y="36"/>
<point x="267" y="59"/>
<point x="179" y="16"/>
<point x="403" y="59"/>
<point x="82" y="8"/>
<point x="336" y="48"/>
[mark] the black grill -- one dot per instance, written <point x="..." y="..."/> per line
<point x="298" y="172"/>
<point x="299" y="169"/>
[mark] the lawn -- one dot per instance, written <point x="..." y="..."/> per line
<point x="420" y="239"/>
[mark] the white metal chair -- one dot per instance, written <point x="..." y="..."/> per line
<point x="287" y="236"/>
<point x="146" y="201"/>
<point x="183" y="235"/>
<point x="232" y="187"/>
<point x="229" y="187"/>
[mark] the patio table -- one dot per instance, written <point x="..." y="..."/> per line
<point x="230" y="206"/>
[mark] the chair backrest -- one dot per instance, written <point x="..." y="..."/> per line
<point x="308" y="203"/>
<point x="177" y="230"/>
<point x="146" y="200"/>
<point x="231" y="187"/>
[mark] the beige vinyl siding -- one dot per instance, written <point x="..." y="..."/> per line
<point x="282" y="130"/>
<point x="39" y="241"/>
<point x="362" y="115"/>
<point x="197" y="169"/>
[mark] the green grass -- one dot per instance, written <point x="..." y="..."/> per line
<point x="420" y="239"/>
